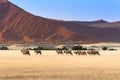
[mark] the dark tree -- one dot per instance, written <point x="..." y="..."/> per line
<point x="77" y="47"/>
<point x="104" y="48"/>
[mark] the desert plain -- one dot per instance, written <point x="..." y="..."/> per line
<point x="51" y="66"/>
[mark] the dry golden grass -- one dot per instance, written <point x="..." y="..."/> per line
<point x="49" y="66"/>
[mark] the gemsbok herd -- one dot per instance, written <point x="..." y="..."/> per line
<point x="78" y="52"/>
<point x="66" y="52"/>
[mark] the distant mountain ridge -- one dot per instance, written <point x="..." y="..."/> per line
<point x="98" y="23"/>
<point x="19" y="26"/>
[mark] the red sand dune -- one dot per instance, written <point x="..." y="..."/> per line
<point x="18" y="26"/>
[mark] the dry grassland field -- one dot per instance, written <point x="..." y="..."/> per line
<point x="51" y="66"/>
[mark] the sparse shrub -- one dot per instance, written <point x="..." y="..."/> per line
<point x="78" y="48"/>
<point x="84" y="49"/>
<point x="112" y="49"/>
<point x="91" y="49"/>
<point x="38" y="48"/>
<point x="64" y="48"/>
<point x="29" y="48"/>
<point x="4" y="48"/>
